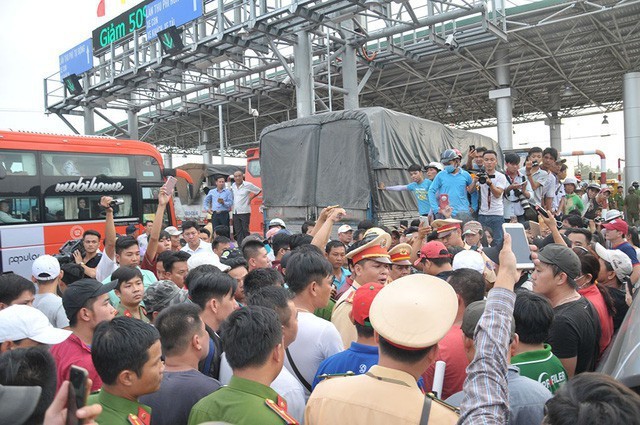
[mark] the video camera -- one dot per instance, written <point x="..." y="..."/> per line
<point x="66" y="251"/>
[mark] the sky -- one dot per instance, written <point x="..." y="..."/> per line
<point x="36" y="32"/>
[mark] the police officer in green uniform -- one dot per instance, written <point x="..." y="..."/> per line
<point x="127" y="355"/>
<point x="137" y="313"/>
<point x="248" y="399"/>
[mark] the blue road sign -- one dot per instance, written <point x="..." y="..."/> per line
<point x="77" y="60"/>
<point x="162" y="14"/>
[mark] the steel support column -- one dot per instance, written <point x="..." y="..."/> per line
<point x="168" y="160"/>
<point x="504" y="104"/>
<point x="206" y="155"/>
<point x="221" y="133"/>
<point x="89" y="128"/>
<point x="555" y="132"/>
<point x="302" y="63"/>
<point x="132" y="124"/>
<point x="349" y="72"/>
<point x="631" y="100"/>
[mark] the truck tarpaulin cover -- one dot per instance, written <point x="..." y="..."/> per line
<point x="341" y="157"/>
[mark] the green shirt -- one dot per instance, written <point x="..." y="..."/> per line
<point x="631" y="203"/>
<point x="325" y="312"/>
<point x="617" y="201"/>
<point x="573" y="202"/>
<point x="542" y="366"/>
<point x="242" y="402"/>
<point x="123" y="311"/>
<point x="116" y="410"/>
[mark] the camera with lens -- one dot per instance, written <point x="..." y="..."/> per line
<point x="524" y="202"/>
<point x="117" y="201"/>
<point x="482" y="176"/>
<point x="66" y="251"/>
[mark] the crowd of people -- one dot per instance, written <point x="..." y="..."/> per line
<point x="428" y="321"/>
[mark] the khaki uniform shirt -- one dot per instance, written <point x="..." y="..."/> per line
<point x="340" y="316"/>
<point x="381" y="397"/>
<point x="122" y="311"/>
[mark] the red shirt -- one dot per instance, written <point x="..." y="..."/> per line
<point x="451" y="351"/>
<point x="592" y="293"/>
<point x="73" y="351"/>
<point x="149" y="264"/>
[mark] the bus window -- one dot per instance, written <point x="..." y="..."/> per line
<point x="150" y="205"/>
<point x="58" y="164"/>
<point x="147" y="169"/>
<point x="64" y="208"/>
<point x="18" y="163"/>
<point x="18" y="210"/>
<point x="253" y="167"/>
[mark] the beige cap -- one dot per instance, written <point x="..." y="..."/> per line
<point x="401" y="254"/>
<point x="394" y="310"/>
<point x="373" y="247"/>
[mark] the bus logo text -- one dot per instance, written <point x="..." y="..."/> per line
<point x="89" y="186"/>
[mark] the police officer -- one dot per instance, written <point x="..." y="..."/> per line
<point x="370" y="263"/>
<point x="400" y="256"/>
<point x="388" y="393"/>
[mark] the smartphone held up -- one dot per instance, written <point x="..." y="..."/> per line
<point x="519" y="245"/>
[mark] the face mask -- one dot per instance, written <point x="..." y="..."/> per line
<point x="449" y="168"/>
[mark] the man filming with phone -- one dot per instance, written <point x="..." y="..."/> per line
<point x="491" y="184"/>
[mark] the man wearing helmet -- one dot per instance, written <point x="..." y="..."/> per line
<point x="455" y="183"/>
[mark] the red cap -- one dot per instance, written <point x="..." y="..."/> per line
<point x="362" y="299"/>
<point x="432" y="250"/>
<point x="617" y="224"/>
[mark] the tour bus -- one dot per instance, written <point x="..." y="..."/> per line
<point x="50" y="189"/>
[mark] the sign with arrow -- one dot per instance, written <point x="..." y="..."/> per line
<point x="171" y="40"/>
<point x="77" y="60"/>
<point x="162" y="14"/>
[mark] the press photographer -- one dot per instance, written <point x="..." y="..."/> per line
<point x="491" y="184"/>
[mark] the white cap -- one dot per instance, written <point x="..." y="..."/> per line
<point x="438" y="166"/>
<point x="345" y="228"/>
<point x="571" y="180"/>
<point x="612" y="214"/>
<point x="277" y="222"/>
<point x="208" y="257"/>
<point x="172" y="230"/>
<point x="21" y="321"/>
<point x="620" y="262"/>
<point x="468" y="259"/>
<point x="45" y="267"/>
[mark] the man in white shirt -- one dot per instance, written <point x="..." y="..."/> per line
<point x="143" y="239"/>
<point x="537" y="178"/>
<point x="243" y="193"/>
<point x="191" y="234"/>
<point x="309" y="276"/>
<point x="492" y="187"/>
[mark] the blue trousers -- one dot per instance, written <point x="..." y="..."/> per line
<point x="493" y="222"/>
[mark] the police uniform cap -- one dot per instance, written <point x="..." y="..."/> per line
<point x="373" y="247"/>
<point x="401" y="254"/>
<point x="394" y="310"/>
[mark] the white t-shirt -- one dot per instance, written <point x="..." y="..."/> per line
<point x="489" y="204"/>
<point x="317" y="340"/>
<point x="202" y="247"/>
<point x="285" y="384"/>
<point x="105" y="267"/>
<point x="541" y="177"/>
<point x="51" y="306"/>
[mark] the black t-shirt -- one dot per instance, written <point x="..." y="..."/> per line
<point x="210" y="366"/>
<point x="620" y="305"/>
<point x="93" y="263"/>
<point x="575" y="332"/>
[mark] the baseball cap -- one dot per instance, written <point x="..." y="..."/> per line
<point x="432" y="250"/>
<point x="434" y="164"/>
<point x="80" y="291"/>
<point x="472" y="315"/>
<point x="17" y="403"/>
<point x="472" y="227"/>
<point x="162" y="294"/>
<point x="593" y="186"/>
<point x="208" y="257"/>
<point x="277" y="222"/>
<point x="394" y="310"/>
<point x="468" y="259"/>
<point x="620" y="261"/>
<point x="617" y="224"/>
<point x="131" y="229"/>
<point x="72" y="272"/>
<point x="571" y="180"/>
<point x="345" y="228"/>
<point x="172" y="230"/>
<point x="562" y="257"/>
<point x="612" y="214"/>
<point x="21" y="321"/>
<point x="45" y="267"/>
<point x="362" y="299"/>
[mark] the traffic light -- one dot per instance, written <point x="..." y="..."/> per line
<point x="171" y="40"/>
<point x="72" y="84"/>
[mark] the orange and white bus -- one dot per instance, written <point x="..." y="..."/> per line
<point x="50" y="189"/>
<point x="252" y="175"/>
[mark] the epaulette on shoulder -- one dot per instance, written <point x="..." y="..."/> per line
<point x="335" y="375"/>
<point x="433" y="397"/>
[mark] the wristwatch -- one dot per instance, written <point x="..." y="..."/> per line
<point x="82" y="263"/>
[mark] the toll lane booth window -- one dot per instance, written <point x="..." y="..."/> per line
<point x="18" y="210"/>
<point x="66" y="208"/>
<point x="60" y="164"/>
<point x="17" y="163"/>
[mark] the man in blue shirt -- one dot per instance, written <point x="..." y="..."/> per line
<point x="218" y="203"/>
<point x="455" y="183"/>
<point x="419" y="186"/>
<point x="363" y="353"/>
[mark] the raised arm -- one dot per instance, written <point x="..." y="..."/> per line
<point x="163" y="200"/>
<point x="110" y="229"/>
<point x="321" y="237"/>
